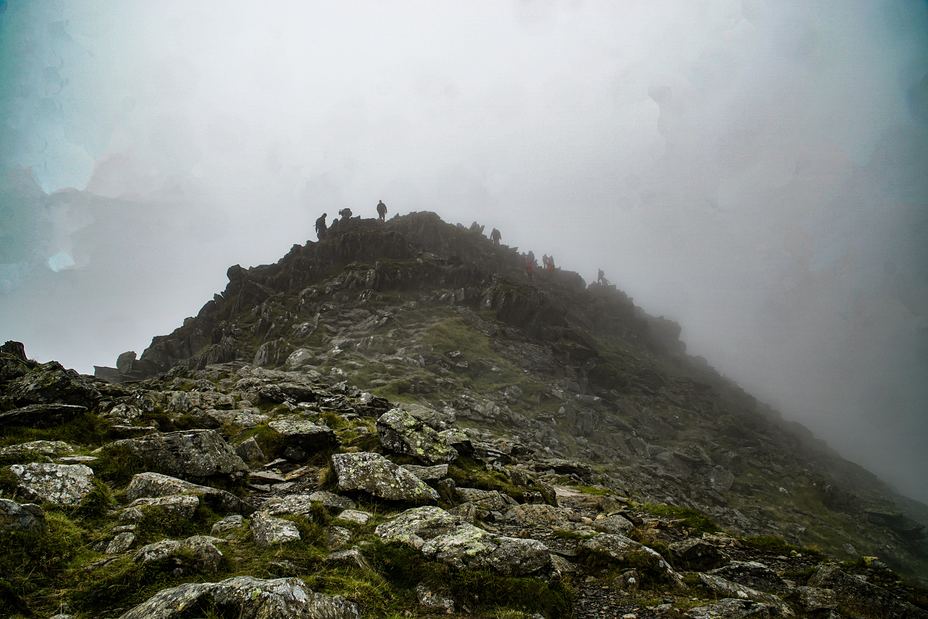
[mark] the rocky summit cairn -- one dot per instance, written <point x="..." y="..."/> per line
<point x="397" y="422"/>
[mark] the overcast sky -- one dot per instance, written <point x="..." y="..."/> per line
<point x="754" y="169"/>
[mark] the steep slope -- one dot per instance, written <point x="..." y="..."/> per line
<point x="397" y="420"/>
<point x="421" y="310"/>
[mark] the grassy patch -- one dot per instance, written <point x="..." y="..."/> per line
<point x="691" y="518"/>
<point x="85" y="429"/>
<point x="468" y="473"/>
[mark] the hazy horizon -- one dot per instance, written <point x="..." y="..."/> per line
<point x="754" y="170"/>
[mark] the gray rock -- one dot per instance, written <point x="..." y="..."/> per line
<point x="121" y="543"/>
<point x="50" y="383"/>
<point x="175" y="505"/>
<point x="331" y="501"/>
<point x="349" y="558"/>
<point x="21" y="517"/>
<point x="443" y="537"/>
<point x="238" y="418"/>
<point x="303" y="504"/>
<point x="541" y="515"/>
<point x="337" y="537"/>
<point x="270" y="531"/>
<point x="402" y="433"/>
<point x="727" y="589"/>
<point x="414" y="527"/>
<point x="301" y="357"/>
<point x="190" y="454"/>
<point x="751" y="574"/>
<point x="814" y="599"/>
<point x="486" y="501"/>
<point x="697" y="554"/>
<point x="41" y="415"/>
<point x="197" y="553"/>
<point x="298" y="438"/>
<point x="246" y="598"/>
<point x="157" y="485"/>
<point x="353" y="516"/>
<point x="624" y="551"/>
<point x="469" y="547"/>
<point x="61" y="484"/>
<point x="616" y="524"/>
<point x="434" y="602"/>
<point x="249" y="451"/>
<point x="34" y="450"/>
<point x="227" y="526"/>
<point x="857" y="598"/>
<point x="377" y="476"/>
<point x="731" y="608"/>
<point x="428" y="473"/>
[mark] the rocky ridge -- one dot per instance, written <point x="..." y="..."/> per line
<point x="394" y="421"/>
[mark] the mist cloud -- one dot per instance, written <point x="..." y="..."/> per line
<point x="754" y="170"/>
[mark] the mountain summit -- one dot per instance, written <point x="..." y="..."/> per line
<point x="403" y="419"/>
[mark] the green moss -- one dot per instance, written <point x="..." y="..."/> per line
<point x="594" y="490"/>
<point x="117" y="464"/>
<point x="158" y="524"/>
<point x="97" y="503"/>
<point x="769" y="543"/>
<point x="468" y="473"/>
<point x="692" y="519"/>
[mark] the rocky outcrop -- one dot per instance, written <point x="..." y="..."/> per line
<point x="20" y="517"/>
<point x="402" y="433"/>
<point x="245" y="597"/>
<point x="158" y="485"/>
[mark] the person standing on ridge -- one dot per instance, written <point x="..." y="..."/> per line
<point x="381" y="210"/>
<point x="320" y="227"/>
<point x="495" y="236"/>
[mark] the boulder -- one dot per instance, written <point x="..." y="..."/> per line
<point x="190" y="454"/>
<point x="486" y="501"/>
<point x="372" y="473"/>
<point x="157" y="485"/>
<point x="858" y="598"/>
<point x="618" y="549"/>
<point x="541" y="515"/>
<point x="249" y="451"/>
<point x="414" y="527"/>
<point x="428" y="473"/>
<point x="615" y="523"/>
<point x="724" y="588"/>
<point x="197" y="553"/>
<point x="303" y="504"/>
<point x="245" y="597"/>
<point x="179" y="506"/>
<point x="60" y="484"/>
<point x="296" y="439"/>
<point x="697" y="554"/>
<point x="402" y="433"/>
<point x="354" y="516"/>
<point x="270" y="531"/>
<point x="41" y="415"/>
<point x="20" y="516"/>
<point x="228" y="525"/>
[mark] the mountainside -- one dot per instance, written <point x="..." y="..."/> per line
<point x="581" y="463"/>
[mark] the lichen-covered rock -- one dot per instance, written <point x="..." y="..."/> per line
<point x="197" y="553"/>
<point x="35" y="450"/>
<point x="298" y="438"/>
<point x="303" y="504"/>
<point x="624" y="551"/>
<point x="182" y="506"/>
<point x="20" y="516"/>
<point x="402" y="433"/>
<point x="415" y="526"/>
<point x="469" y="547"/>
<point x="444" y="537"/>
<point x="377" y="476"/>
<point x="41" y="415"/>
<point x="245" y="597"/>
<point x="727" y="589"/>
<point x="541" y="515"/>
<point x="157" y="485"/>
<point x="190" y="454"/>
<point x="812" y="600"/>
<point x="486" y="501"/>
<point x="249" y="451"/>
<point x="61" y="484"/>
<point x="270" y="531"/>
<point x="120" y="543"/>
<point x="354" y="516"/>
<point x="615" y="523"/>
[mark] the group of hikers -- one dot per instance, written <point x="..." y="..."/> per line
<point x="345" y="215"/>
<point x="547" y="262"/>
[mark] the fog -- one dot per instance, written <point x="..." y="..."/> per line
<point x="755" y="170"/>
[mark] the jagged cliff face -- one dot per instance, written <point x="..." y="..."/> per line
<point x="399" y="421"/>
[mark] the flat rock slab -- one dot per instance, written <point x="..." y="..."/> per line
<point x="245" y="597"/>
<point x="60" y="484"/>
<point x="270" y="531"/>
<point x="157" y="485"/>
<point x="377" y="476"/>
